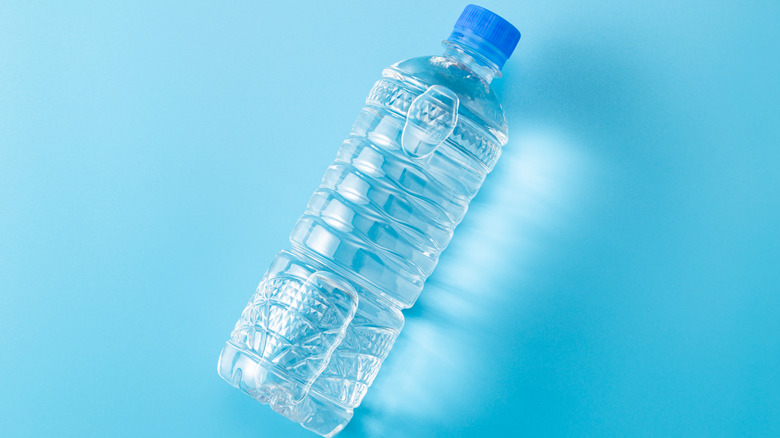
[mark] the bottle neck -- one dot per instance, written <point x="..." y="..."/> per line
<point x="472" y="60"/>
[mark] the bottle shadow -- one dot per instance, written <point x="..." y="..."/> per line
<point x="456" y="359"/>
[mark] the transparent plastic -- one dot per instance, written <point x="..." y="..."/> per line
<point x="325" y="315"/>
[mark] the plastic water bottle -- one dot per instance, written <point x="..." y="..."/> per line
<point x="325" y="315"/>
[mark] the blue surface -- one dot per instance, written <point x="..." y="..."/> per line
<point x="618" y="275"/>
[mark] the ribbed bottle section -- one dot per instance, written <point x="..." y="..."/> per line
<point x="384" y="217"/>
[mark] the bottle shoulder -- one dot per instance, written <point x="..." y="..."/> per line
<point x="478" y="101"/>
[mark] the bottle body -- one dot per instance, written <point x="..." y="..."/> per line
<point x="328" y="310"/>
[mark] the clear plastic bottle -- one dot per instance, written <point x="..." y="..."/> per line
<point x="325" y="315"/>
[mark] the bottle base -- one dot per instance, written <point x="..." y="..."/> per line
<point x="257" y="378"/>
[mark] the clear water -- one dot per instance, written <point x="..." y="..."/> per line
<point x="328" y="310"/>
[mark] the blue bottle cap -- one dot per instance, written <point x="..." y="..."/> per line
<point x="487" y="33"/>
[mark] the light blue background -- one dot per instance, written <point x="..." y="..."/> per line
<point x="619" y="275"/>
